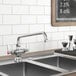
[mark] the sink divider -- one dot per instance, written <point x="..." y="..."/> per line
<point x="51" y="67"/>
<point x="57" y="61"/>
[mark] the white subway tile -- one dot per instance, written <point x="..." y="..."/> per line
<point x="10" y="39"/>
<point x="54" y="29"/>
<point x="51" y="45"/>
<point x="36" y="28"/>
<point x="48" y="10"/>
<point x="5" y="9"/>
<point x="24" y="46"/>
<point x="62" y="29"/>
<point x="39" y="20"/>
<point x="57" y="36"/>
<point x="72" y="28"/>
<point x="0" y="1"/>
<point x="36" y="10"/>
<point x="40" y="38"/>
<point x="5" y="30"/>
<point x="24" y="40"/>
<point x="3" y="50"/>
<point x="44" y="2"/>
<point x="28" y="19"/>
<point x="11" y="47"/>
<point x="43" y="19"/>
<point x="36" y="47"/>
<point x="28" y="39"/>
<point x="0" y="19"/>
<point x="20" y="10"/>
<point x="20" y="29"/>
<point x="32" y="39"/>
<point x="1" y="40"/>
<point x="12" y="1"/>
<point x="11" y="19"/>
<point x="48" y="28"/>
<point x="29" y="2"/>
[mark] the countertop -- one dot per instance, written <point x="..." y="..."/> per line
<point x="28" y="54"/>
<point x="68" y="74"/>
<point x="72" y="74"/>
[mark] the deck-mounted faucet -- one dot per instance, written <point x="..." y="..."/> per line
<point x="19" y="51"/>
<point x="34" y="34"/>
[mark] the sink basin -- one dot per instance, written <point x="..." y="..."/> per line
<point x="61" y="62"/>
<point x="34" y="70"/>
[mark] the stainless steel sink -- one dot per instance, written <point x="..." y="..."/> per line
<point x="61" y="62"/>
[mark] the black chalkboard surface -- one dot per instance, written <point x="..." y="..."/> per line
<point x="66" y="10"/>
<point x="63" y="12"/>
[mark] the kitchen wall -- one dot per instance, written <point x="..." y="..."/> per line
<point x="20" y="17"/>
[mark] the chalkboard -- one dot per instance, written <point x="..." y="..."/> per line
<point x="63" y="12"/>
<point x="66" y="10"/>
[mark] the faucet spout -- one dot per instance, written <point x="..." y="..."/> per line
<point x="45" y="36"/>
<point x="34" y="34"/>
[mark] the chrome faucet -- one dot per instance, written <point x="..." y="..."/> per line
<point x="41" y="33"/>
<point x="19" y="51"/>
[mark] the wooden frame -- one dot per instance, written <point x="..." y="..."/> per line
<point x="53" y="17"/>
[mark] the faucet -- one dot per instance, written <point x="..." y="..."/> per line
<point x="70" y="47"/>
<point x="19" y="51"/>
<point x="18" y="39"/>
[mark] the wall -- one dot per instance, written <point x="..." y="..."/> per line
<point x="20" y="17"/>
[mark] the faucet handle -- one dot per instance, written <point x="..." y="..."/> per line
<point x="45" y="37"/>
<point x="70" y="37"/>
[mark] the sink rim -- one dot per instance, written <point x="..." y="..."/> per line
<point x="65" y="73"/>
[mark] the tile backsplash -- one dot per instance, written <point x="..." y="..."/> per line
<point x="20" y="17"/>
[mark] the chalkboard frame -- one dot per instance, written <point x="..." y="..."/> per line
<point x="54" y="22"/>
